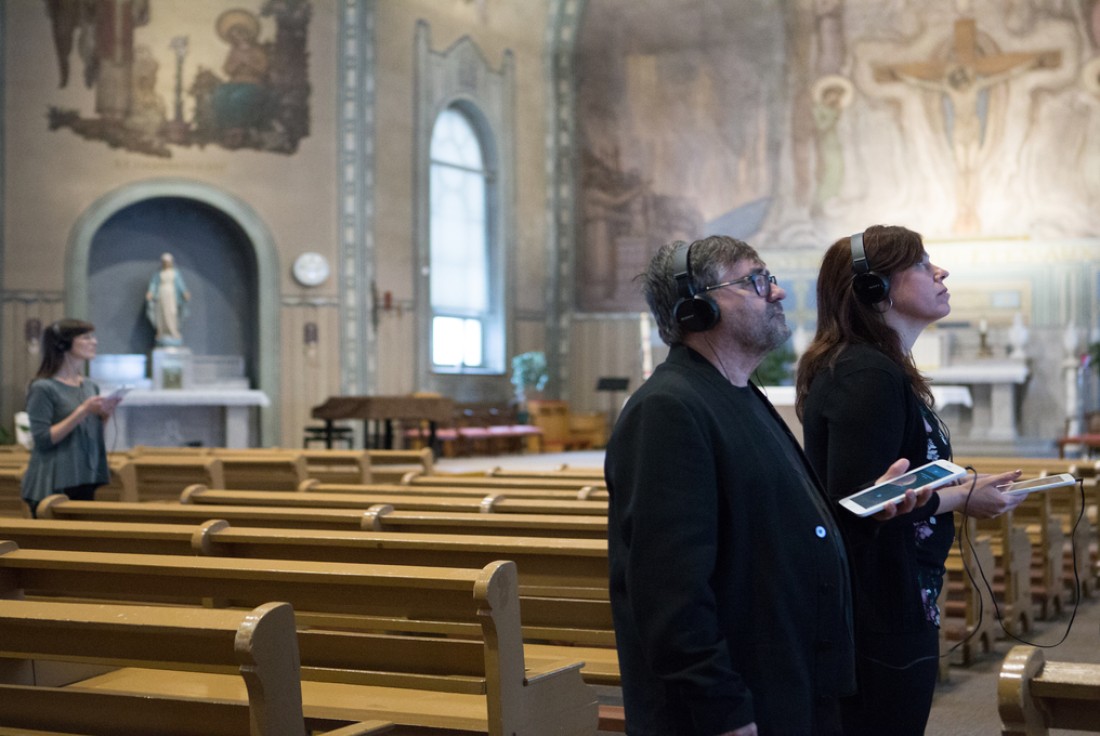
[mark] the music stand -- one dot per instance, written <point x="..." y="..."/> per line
<point x="611" y="385"/>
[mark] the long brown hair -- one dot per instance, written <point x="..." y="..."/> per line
<point x="844" y="320"/>
<point x="57" y="339"/>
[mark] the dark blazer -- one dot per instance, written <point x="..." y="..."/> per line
<point x="860" y="417"/>
<point x="729" y="585"/>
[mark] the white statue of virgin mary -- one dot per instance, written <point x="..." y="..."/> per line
<point x="166" y="302"/>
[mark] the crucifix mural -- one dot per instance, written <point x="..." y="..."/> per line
<point x="964" y="77"/>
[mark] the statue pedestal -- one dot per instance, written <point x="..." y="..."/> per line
<point x="172" y="368"/>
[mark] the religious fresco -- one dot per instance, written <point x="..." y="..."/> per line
<point x="792" y="124"/>
<point x="250" y="91"/>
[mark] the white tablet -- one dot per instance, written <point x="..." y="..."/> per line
<point x="876" y="498"/>
<point x="1039" y="484"/>
<point x="118" y="393"/>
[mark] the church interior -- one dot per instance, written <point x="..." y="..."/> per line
<point x="448" y="201"/>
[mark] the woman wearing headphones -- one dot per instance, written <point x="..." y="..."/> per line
<point x="66" y="417"/>
<point x="863" y="403"/>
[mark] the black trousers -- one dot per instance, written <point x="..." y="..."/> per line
<point x="896" y="677"/>
<point x="83" y="492"/>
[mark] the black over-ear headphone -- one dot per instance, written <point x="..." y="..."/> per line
<point x="63" y="344"/>
<point x="870" y="287"/>
<point x="694" y="312"/>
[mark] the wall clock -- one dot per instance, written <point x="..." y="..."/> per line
<point x="310" y="269"/>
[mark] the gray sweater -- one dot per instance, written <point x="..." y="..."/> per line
<point x="80" y="457"/>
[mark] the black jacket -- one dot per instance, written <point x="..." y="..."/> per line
<point x="729" y="585"/>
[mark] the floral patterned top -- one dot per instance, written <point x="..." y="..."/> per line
<point x="935" y="534"/>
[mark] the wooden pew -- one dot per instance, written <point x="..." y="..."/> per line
<point x="158" y="478"/>
<point x="338" y="466"/>
<point x="327" y="466"/>
<point x="1011" y="578"/>
<point x="467" y="481"/>
<point x="564" y="471"/>
<point x="11" y="491"/>
<point x="377" y="518"/>
<point x="1048" y="565"/>
<point x="965" y="617"/>
<point x="389" y="466"/>
<point x="1064" y="508"/>
<point x="471" y="490"/>
<point x="154" y="450"/>
<point x="278" y="470"/>
<point x="550" y="571"/>
<point x="50" y="646"/>
<point x="499" y="503"/>
<point x="463" y="668"/>
<point x="1034" y="696"/>
<point x="562" y="567"/>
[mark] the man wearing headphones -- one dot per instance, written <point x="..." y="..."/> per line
<point x="729" y="585"/>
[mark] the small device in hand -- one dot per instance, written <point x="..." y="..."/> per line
<point x="1039" y="484"/>
<point x="118" y="393"/>
<point x="874" y="499"/>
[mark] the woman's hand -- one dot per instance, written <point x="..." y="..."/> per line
<point x="987" y="500"/>
<point x="914" y="497"/>
<point x="98" y="405"/>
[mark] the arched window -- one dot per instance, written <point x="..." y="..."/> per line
<point x="465" y="316"/>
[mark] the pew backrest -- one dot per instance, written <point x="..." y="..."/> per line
<point x="261" y="645"/>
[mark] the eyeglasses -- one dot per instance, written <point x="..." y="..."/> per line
<point x="761" y="281"/>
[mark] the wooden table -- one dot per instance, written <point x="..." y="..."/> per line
<point x="1089" y="441"/>
<point x="384" y="410"/>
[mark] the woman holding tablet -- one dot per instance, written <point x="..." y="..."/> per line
<point x="863" y="404"/>
<point x="66" y="416"/>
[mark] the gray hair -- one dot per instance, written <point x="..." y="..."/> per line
<point x="709" y="257"/>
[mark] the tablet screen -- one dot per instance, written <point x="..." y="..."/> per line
<point x="898" y="486"/>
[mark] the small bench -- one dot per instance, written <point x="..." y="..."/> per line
<point x="1034" y="696"/>
<point x="52" y="647"/>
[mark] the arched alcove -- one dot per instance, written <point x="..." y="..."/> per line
<point x="224" y="250"/>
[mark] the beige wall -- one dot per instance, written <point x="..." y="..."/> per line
<point x="53" y="177"/>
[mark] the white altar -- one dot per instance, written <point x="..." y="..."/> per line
<point x="177" y="417"/>
<point x="995" y="384"/>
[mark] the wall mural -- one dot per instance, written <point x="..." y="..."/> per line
<point x="255" y="96"/>
<point x="790" y="124"/>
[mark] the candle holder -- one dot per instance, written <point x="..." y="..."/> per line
<point x="984" y="351"/>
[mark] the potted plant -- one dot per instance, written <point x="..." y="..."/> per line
<point x="528" y="371"/>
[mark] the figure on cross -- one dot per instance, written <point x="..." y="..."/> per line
<point x="963" y="77"/>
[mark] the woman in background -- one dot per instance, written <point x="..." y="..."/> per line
<point x="863" y="403"/>
<point x="67" y="415"/>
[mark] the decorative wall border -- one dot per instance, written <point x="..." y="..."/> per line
<point x="561" y="205"/>
<point x="355" y="200"/>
